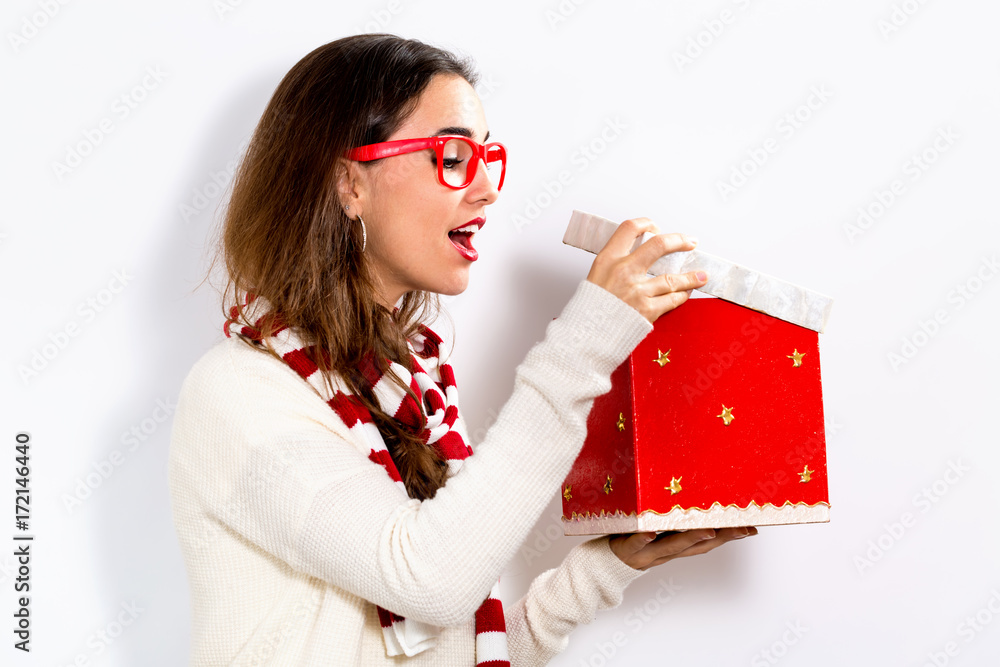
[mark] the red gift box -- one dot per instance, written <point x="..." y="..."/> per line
<point x="714" y="420"/>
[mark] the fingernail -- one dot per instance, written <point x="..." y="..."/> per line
<point x="693" y="240"/>
<point x="709" y="535"/>
<point x="701" y="275"/>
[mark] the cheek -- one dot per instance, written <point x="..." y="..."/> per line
<point x="402" y="190"/>
<point x="408" y="223"/>
<point x="406" y="171"/>
<point x="410" y="208"/>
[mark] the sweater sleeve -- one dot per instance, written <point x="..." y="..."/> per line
<point x="589" y="579"/>
<point x="283" y="471"/>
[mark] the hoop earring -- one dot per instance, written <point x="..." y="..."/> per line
<point x="364" y="234"/>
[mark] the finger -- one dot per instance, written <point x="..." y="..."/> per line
<point x="668" y="533"/>
<point x="636" y="543"/>
<point x="721" y="537"/>
<point x="621" y="241"/>
<point x="667" y="302"/>
<point x="741" y="532"/>
<point x="626" y="546"/>
<point x="677" y="282"/>
<point x="704" y="546"/>
<point x="659" y="245"/>
<point x="669" y="546"/>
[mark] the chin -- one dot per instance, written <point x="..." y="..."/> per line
<point x="450" y="292"/>
<point x="455" y="287"/>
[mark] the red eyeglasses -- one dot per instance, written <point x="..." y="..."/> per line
<point x="457" y="157"/>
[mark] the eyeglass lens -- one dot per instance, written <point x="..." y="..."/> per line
<point x="458" y="160"/>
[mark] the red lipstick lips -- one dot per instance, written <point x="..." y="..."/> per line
<point x="461" y="238"/>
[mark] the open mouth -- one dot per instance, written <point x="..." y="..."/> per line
<point x="461" y="238"/>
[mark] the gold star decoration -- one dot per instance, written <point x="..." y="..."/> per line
<point x="566" y="494"/>
<point x="621" y="421"/>
<point x="806" y="475"/>
<point x="796" y="356"/>
<point x="675" y="485"/>
<point x="607" y="485"/>
<point x="727" y="415"/>
<point x="661" y="358"/>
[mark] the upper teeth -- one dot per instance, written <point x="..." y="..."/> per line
<point x="472" y="227"/>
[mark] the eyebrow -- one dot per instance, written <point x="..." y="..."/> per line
<point x="460" y="131"/>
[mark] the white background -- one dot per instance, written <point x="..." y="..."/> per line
<point x="860" y="590"/>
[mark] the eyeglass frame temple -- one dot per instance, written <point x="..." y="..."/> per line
<point x="386" y="149"/>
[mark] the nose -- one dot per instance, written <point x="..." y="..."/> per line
<point x="482" y="188"/>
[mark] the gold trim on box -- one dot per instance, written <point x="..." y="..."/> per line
<point x="679" y="518"/>
<point x="594" y="515"/>
<point x="752" y="503"/>
<point x="589" y="515"/>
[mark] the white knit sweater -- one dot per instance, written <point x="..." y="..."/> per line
<point x="290" y="533"/>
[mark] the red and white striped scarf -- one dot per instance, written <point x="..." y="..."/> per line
<point x="434" y="383"/>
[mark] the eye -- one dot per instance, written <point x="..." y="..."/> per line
<point x="448" y="162"/>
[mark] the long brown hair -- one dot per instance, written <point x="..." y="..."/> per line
<point x="287" y="238"/>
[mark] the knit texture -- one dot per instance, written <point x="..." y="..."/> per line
<point x="291" y="535"/>
<point x="431" y="412"/>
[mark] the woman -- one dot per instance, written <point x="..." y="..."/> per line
<point x="312" y="447"/>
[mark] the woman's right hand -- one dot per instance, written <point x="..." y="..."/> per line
<point x="624" y="274"/>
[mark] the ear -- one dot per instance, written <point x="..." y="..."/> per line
<point x="352" y="185"/>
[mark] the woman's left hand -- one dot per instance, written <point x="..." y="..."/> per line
<point x="641" y="551"/>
